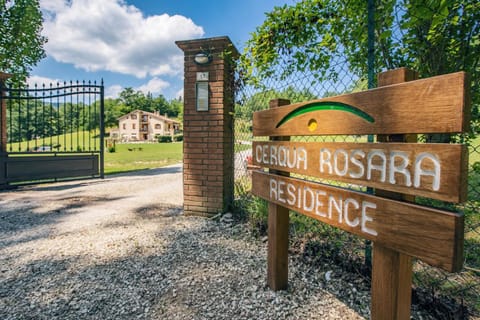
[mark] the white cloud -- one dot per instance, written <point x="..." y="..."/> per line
<point x="179" y="94"/>
<point x="154" y="86"/>
<point x="53" y="6"/>
<point x="40" y="81"/>
<point x="111" y="35"/>
<point x="113" y="91"/>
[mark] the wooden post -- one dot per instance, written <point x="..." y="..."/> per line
<point x="278" y="225"/>
<point x="392" y="270"/>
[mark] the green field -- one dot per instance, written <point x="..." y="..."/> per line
<point x="127" y="157"/>
<point x="474" y="151"/>
<point x="82" y="140"/>
<point x="139" y="156"/>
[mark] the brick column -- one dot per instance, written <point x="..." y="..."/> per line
<point x="3" y="114"/>
<point x="208" y="152"/>
<point x="3" y="129"/>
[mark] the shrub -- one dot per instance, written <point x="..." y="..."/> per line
<point x="111" y="149"/>
<point x="164" y="138"/>
<point x="178" y="137"/>
<point x="476" y="167"/>
<point x="255" y="211"/>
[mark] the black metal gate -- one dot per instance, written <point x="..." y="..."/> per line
<point x="51" y="133"/>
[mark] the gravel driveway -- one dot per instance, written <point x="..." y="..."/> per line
<point x="120" y="248"/>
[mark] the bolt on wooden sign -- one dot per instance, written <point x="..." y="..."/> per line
<point x="438" y="171"/>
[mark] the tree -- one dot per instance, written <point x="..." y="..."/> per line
<point x="130" y="100"/>
<point x="21" y="42"/>
<point x="431" y="36"/>
<point x="112" y="112"/>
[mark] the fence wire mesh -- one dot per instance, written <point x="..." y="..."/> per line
<point x="453" y="293"/>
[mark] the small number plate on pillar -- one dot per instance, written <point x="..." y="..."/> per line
<point x="202" y="96"/>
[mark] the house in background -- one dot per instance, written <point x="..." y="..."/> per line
<point x="141" y="125"/>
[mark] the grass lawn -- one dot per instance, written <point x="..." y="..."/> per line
<point x="474" y="151"/>
<point x="130" y="157"/>
<point x="83" y="140"/>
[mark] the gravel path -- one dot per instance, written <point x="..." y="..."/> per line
<point x="120" y="248"/>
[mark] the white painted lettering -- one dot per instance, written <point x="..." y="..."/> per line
<point x="325" y="156"/>
<point x="354" y="160"/>
<point x="400" y="168"/>
<point x="291" y="159"/>
<point x="366" y="218"/>
<point x="343" y="155"/>
<point x="352" y="223"/>
<point x="302" y="157"/>
<point x="332" y="203"/>
<point x="273" y="155"/>
<point x="273" y="189"/>
<point x="382" y="167"/>
<point x="319" y="203"/>
<point x="291" y="194"/>
<point x="281" y="186"/>
<point x="419" y="171"/>
<point x="307" y="190"/>
<point x="265" y="154"/>
<point x="282" y="156"/>
<point x="258" y="153"/>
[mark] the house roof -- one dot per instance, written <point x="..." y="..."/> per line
<point x="153" y="115"/>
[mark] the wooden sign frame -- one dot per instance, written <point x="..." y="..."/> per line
<point x="399" y="230"/>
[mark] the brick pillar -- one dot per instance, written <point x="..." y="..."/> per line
<point x="208" y="152"/>
<point x="3" y="114"/>
<point x="3" y="129"/>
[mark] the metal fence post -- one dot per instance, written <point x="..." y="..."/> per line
<point x="371" y="84"/>
<point x="102" y="130"/>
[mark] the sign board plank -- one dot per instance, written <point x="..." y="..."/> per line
<point x="437" y="171"/>
<point x="432" y="235"/>
<point x="433" y="105"/>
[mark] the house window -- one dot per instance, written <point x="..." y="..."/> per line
<point x="158" y="126"/>
<point x="145" y="118"/>
<point x="133" y="125"/>
<point x="134" y="116"/>
<point x="124" y="126"/>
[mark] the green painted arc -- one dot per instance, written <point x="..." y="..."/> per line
<point x="323" y="106"/>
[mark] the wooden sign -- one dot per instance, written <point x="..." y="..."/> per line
<point x="437" y="171"/>
<point x="410" y="107"/>
<point x="418" y="231"/>
<point x="398" y="229"/>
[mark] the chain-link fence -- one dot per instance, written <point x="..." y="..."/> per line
<point x="447" y="295"/>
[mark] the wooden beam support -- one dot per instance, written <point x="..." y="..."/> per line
<point x="392" y="270"/>
<point x="278" y="226"/>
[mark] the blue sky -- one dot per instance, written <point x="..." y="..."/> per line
<point x="131" y="43"/>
